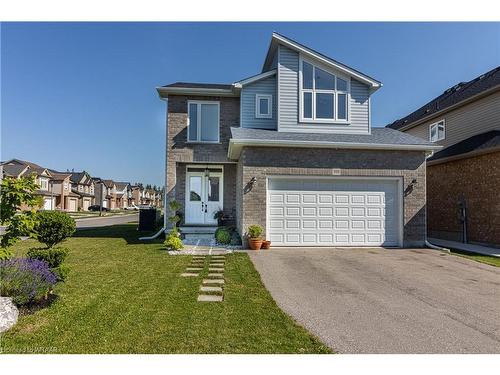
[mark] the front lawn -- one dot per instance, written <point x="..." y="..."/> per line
<point x="124" y="296"/>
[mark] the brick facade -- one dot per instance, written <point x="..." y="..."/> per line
<point x="475" y="179"/>
<point x="261" y="162"/>
<point x="180" y="152"/>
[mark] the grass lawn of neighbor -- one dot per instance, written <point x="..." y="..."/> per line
<point x="126" y="296"/>
<point x="493" y="261"/>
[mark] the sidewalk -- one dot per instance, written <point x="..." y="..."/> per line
<point x="478" y="249"/>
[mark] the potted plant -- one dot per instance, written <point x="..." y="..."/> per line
<point x="254" y="236"/>
<point x="219" y="216"/>
<point x="266" y="244"/>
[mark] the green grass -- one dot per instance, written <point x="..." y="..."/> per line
<point x="123" y="296"/>
<point x="493" y="261"/>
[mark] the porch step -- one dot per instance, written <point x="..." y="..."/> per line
<point x="199" y="230"/>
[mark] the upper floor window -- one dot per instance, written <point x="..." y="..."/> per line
<point x="203" y="121"/>
<point x="323" y="96"/>
<point x="263" y="106"/>
<point x="437" y="131"/>
<point x="44" y="184"/>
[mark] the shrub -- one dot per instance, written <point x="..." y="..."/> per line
<point x="52" y="227"/>
<point x="61" y="272"/>
<point x="223" y="236"/>
<point x="173" y="240"/>
<point x="14" y="192"/>
<point x="25" y="280"/>
<point x="53" y="256"/>
<point x="254" y="231"/>
<point x="5" y="253"/>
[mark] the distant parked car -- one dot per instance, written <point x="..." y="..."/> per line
<point x="96" y="207"/>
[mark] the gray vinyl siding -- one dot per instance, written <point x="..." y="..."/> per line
<point x="478" y="117"/>
<point x="288" y="110"/>
<point x="266" y="86"/>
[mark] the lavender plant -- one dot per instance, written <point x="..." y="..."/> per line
<point x="25" y="280"/>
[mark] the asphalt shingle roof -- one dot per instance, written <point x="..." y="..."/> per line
<point x="452" y="96"/>
<point x="377" y="136"/>
<point x="479" y="142"/>
<point x="200" y="85"/>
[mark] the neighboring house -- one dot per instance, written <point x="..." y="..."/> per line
<point x="123" y="194"/>
<point x="16" y="168"/>
<point x="110" y="197"/>
<point x="136" y="195"/>
<point x="465" y="119"/>
<point x="61" y="185"/>
<point x="292" y="149"/>
<point x="83" y="186"/>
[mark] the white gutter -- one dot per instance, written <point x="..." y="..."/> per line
<point x="156" y="235"/>
<point x="235" y="145"/>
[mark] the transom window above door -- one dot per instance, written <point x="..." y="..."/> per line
<point x="324" y="97"/>
<point x="203" y="121"/>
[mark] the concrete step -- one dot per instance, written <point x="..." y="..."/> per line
<point x="198" y="229"/>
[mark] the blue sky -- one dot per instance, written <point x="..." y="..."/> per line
<point x="83" y="95"/>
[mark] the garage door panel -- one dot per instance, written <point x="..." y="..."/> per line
<point x="362" y="212"/>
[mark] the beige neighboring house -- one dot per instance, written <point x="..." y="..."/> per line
<point x="16" y="168"/>
<point x="66" y="200"/>
<point x="463" y="179"/>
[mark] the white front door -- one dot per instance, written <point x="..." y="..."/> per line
<point x="203" y="195"/>
<point x="48" y="203"/>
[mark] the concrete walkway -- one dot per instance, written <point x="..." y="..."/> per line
<point x="470" y="248"/>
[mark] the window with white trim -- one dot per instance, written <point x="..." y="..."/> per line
<point x="324" y="97"/>
<point x="44" y="184"/>
<point x="203" y="121"/>
<point x="437" y="131"/>
<point x="263" y="106"/>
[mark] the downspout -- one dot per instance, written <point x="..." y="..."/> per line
<point x="427" y="243"/>
<point x="156" y="235"/>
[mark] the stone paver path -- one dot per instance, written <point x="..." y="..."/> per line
<point x="211" y="289"/>
<point x="209" y="298"/>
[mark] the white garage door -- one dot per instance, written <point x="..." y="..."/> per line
<point x="48" y="204"/>
<point x="86" y="204"/>
<point x="334" y="212"/>
<point x="72" y="205"/>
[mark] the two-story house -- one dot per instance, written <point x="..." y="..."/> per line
<point x="123" y="194"/>
<point x="82" y="185"/>
<point x="65" y="199"/>
<point x="463" y="200"/>
<point x="16" y="168"/>
<point x="292" y="149"/>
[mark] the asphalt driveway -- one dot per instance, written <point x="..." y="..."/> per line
<point x="387" y="301"/>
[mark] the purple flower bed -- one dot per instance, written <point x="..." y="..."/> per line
<point x="25" y="280"/>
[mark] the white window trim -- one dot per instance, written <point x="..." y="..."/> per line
<point x="314" y="91"/>
<point x="269" y="98"/>
<point x="198" y="125"/>
<point x="437" y="124"/>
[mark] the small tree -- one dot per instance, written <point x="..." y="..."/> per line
<point x="52" y="227"/>
<point x="14" y="192"/>
<point x="174" y="209"/>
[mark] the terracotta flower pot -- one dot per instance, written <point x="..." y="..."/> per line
<point x="266" y="244"/>
<point x="255" y="243"/>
